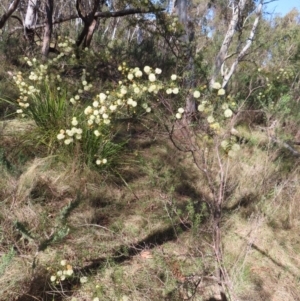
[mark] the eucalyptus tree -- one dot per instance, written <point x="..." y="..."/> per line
<point x="240" y="16"/>
<point x="44" y="14"/>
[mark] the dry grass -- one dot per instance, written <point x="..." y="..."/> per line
<point x="133" y="234"/>
<point x="260" y="241"/>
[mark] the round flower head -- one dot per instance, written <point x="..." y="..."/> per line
<point x="102" y="96"/>
<point x="123" y="91"/>
<point x="221" y="92"/>
<point x="210" y="119"/>
<point x="158" y="71"/>
<point x="224" y="106"/>
<point x="152" y="77"/>
<point x="196" y="94"/>
<point x="147" y="69"/>
<point x="138" y="73"/>
<point x="83" y="279"/>
<point x="181" y="110"/>
<point x="88" y="110"/>
<point x="216" y="86"/>
<point x="201" y="108"/>
<point x="97" y="133"/>
<point x="61" y="135"/>
<point x="215" y="126"/>
<point x="175" y="91"/>
<point x="68" y="141"/>
<point x="178" y="115"/>
<point x="173" y="77"/>
<point x="112" y="107"/>
<point x="74" y="121"/>
<point x="53" y="278"/>
<point x="228" y="113"/>
<point x="151" y="88"/>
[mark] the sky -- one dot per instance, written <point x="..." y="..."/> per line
<point x="283" y="6"/>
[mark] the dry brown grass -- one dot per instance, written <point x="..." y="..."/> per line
<point x="133" y="235"/>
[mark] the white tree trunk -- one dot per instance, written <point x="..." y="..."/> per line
<point x="236" y="12"/>
<point x="31" y="20"/>
<point x="31" y="14"/>
<point x="243" y="52"/>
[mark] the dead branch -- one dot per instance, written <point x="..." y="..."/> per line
<point x="120" y="13"/>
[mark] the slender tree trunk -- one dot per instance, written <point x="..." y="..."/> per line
<point x="31" y="20"/>
<point x="48" y="29"/>
<point x="90" y="33"/>
<point x="217" y="241"/>
<point x="89" y="20"/>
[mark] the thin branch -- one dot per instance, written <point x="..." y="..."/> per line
<point x="120" y="13"/>
<point x="285" y="145"/>
<point x="13" y="6"/>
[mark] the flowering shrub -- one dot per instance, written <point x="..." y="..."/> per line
<point x="65" y="272"/>
<point x="75" y="114"/>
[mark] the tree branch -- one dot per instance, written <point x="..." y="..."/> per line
<point x="115" y="14"/>
<point x="13" y="6"/>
